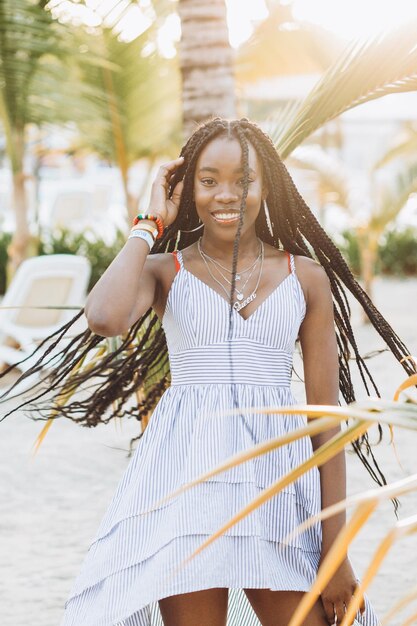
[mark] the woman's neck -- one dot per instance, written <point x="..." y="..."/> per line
<point x="222" y="251"/>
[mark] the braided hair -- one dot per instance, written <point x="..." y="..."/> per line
<point x="139" y="363"/>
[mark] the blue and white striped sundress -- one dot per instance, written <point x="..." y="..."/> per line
<point x="131" y="561"/>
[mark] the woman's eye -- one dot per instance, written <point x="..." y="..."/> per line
<point x="241" y="181"/>
<point x="207" y="181"/>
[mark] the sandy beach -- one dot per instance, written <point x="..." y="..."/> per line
<point x="51" y="504"/>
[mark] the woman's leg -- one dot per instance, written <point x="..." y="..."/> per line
<point x="275" y="608"/>
<point x="208" y="607"/>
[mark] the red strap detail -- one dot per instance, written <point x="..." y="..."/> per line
<point x="289" y="261"/>
<point x="177" y="263"/>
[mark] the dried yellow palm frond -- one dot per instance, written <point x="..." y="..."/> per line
<point x="64" y="397"/>
<point x="411" y="620"/>
<point x="411" y="381"/>
<point x="365" y="503"/>
<point x="401" y="529"/>
<point x="323" y="454"/>
<point x="363" y="415"/>
<point x="376" y="496"/>
<point x="332" y="561"/>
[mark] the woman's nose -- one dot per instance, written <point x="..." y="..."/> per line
<point x="226" y="194"/>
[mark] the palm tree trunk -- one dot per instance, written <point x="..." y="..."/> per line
<point x="206" y="62"/>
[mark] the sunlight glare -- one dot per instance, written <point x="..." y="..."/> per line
<point x="240" y="19"/>
<point x="355" y="18"/>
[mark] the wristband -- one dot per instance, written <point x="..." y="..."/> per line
<point x="143" y="234"/>
<point x="154" y="218"/>
<point x="148" y="228"/>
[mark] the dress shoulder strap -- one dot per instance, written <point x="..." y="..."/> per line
<point x="291" y="264"/>
<point x="177" y="259"/>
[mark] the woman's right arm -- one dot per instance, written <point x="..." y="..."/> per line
<point x="126" y="290"/>
<point x="129" y="286"/>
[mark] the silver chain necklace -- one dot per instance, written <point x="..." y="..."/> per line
<point x="237" y="305"/>
<point x="238" y="274"/>
<point x="239" y="292"/>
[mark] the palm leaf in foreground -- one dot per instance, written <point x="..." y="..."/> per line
<point x="323" y="454"/>
<point x="65" y="396"/>
<point x="332" y="562"/>
<point x="366" y="503"/>
<point x="401" y="529"/>
<point x="364" y="415"/>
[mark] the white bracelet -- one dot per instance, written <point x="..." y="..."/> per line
<point x="143" y="234"/>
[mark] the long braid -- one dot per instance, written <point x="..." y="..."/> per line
<point x="294" y="227"/>
<point x="234" y="128"/>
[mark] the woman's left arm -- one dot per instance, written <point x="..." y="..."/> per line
<point x="321" y="375"/>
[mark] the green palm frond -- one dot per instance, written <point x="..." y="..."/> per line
<point x="367" y="70"/>
<point x="39" y="73"/>
<point x="142" y="100"/>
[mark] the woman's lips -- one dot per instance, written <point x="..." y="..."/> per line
<point x="226" y="217"/>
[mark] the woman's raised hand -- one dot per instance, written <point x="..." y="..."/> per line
<point x="166" y="208"/>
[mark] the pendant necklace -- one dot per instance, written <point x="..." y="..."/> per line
<point x="239" y="292"/>
<point x="238" y="274"/>
<point x="238" y="305"/>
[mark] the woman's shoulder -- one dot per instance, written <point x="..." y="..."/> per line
<point x="312" y="276"/>
<point x="160" y="262"/>
<point x="306" y="264"/>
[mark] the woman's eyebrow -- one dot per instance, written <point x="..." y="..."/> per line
<point x="216" y="171"/>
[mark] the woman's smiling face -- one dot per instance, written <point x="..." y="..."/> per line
<point x="218" y="187"/>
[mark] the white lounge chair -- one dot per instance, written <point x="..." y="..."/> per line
<point x="56" y="280"/>
<point x="72" y="209"/>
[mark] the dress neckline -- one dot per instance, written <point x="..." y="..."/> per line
<point x="226" y="302"/>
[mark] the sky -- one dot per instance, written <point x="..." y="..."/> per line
<point x="347" y="18"/>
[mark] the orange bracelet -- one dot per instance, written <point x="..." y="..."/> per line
<point x="155" y="218"/>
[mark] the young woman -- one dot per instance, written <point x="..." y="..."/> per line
<point x="230" y="285"/>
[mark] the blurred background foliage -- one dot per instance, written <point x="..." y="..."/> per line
<point x="397" y="251"/>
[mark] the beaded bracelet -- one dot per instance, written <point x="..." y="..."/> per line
<point x="143" y="234"/>
<point x="155" y="218"/>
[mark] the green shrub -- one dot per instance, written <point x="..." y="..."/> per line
<point x="5" y="239"/>
<point x="397" y="252"/>
<point x="349" y="247"/>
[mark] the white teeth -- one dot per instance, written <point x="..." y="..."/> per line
<point x="226" y="216"/>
